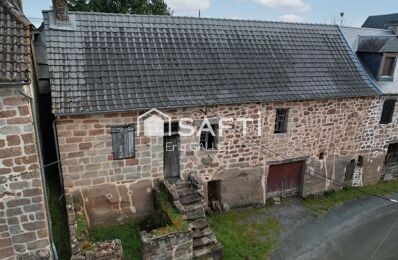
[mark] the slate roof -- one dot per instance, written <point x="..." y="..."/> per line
<point x="378" y="44"/>
<point x="380" y="21"/>
<point x="14" y="44"/>
<point x="108" y="62"/>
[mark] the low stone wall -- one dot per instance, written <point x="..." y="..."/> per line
<point x="81" y="247"/>
<point x="174" y="246"/>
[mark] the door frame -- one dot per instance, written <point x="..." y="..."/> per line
<point x="178" y="166"/>
<point x="303" y="159"/>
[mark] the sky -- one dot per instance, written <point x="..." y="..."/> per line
<point x="308" y="11"/>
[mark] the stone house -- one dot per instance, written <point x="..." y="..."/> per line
<point x="376" y="46"/>
<point x="24" y="230"/>
<point x="309" y="106"/>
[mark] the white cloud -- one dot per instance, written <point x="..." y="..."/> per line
<point x="188" y="5"/>
<point x="287" y="5"/>
<point x="291" y="18"/>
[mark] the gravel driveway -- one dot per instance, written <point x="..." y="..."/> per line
<point x="359" y="229"/>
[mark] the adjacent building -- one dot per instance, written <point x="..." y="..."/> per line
<point x="376" y="46"/>
<point x="24" y="232"/>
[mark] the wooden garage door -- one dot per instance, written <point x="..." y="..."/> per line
<point x="284" y="179"/>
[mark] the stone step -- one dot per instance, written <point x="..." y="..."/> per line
<point x="195" y="214"/>
<point x="183" y="185"/>
<point x="199" y="224"/>
<point x="206" y="240"/>
<point x="202" y="233"/>
<point x="190" y="199"/>
<point x="209" y="252"/>
<point x="186" y="192"/>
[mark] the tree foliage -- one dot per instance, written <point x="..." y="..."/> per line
<point x="149" y="7"/>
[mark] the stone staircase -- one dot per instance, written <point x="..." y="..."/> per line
<point x="191" y="205"/>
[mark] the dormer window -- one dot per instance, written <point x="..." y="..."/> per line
<point x="388" y="66"/>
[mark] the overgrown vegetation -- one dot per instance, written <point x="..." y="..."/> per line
<point x="176" y="222"/>
<point x="128" y="233"/>
<point x="149" y="7"/>
<point x="59" y="220"/>
<point x="244" y="237"/>
<point x="332" y="198"/>
<point x="81" y="230"/>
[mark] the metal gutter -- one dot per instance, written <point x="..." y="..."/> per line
<point x="40" y="152"/>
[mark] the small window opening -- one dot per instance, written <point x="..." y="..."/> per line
<point x="321" y="156"/>
<point x="214" y="195"/>
<point x="349" y="172"/>
<point x="281" y="121"/>
<point x="388" y="111"/>
<point x="208" y="141"/>
<point x="392" y="154"/>
<point x="388" y="67"/>
<point x="360" y="161"/>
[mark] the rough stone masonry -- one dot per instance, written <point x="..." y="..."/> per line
<point x="118" y="190"/>
<point x="23" y="221"/>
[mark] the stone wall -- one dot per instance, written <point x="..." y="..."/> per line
<point x="340" y="129"/>
<point x="174" y="246"/>
<point x="23" y="221"/>
<point x="82" y="247"/>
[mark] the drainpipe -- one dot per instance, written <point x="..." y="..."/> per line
<point x="61" y="178"/>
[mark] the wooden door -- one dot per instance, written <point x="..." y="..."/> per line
<point x="171" y="156"/>
<point x="284" y="179"/>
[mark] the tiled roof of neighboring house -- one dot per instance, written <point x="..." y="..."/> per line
<point x="14" y="44"/>
<point x="380" y="21"/>
<point x="108" y="62"/>
<point x="378" y="44"/>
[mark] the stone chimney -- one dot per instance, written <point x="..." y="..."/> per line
<point x="60" y="9"/>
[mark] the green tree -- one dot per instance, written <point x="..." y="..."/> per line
<point x="155" y="7"/>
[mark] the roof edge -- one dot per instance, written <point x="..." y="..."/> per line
<point x="16" y="12"/>
<point x="196" y="18"/>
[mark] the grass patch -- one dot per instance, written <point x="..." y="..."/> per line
<point x="319" y="205"/>
<point x="59" y="219"/>
<point x="244" y="239"/>
<point x="81" y="229"/>
<point x="128" y="233"/>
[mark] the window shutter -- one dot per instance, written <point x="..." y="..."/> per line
<point x="117" y="142"/>
<point x="129" y="142"/>
<point x="215" y="138"/>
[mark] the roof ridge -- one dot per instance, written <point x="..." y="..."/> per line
<point x="196" y="18"/>
<point x="382" y="15"/>
<point x="16" y="12"/>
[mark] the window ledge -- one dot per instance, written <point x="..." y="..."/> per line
<point x="386" y="79"/>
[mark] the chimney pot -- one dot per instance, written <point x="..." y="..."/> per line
<point x="60" y="8"/>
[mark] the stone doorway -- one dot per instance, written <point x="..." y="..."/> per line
<point x="171" y="156"/>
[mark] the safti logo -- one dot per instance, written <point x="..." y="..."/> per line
<point x="154" y="123"/>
